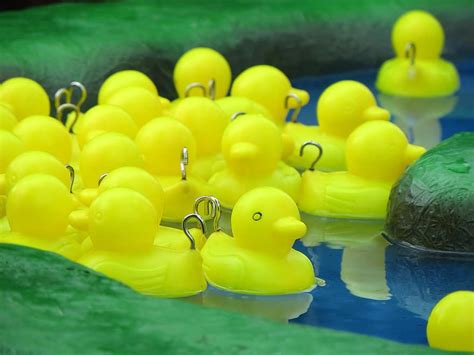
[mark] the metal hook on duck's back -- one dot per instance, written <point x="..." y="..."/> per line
<point x="101" y="178"/>
<point x="82" y="90"/>
<point x="200" y="221"/>
<point x="410" y="53"/>
<point x="184" y="161"/>
<point x="215" y="212"/>
<point x="236" y="114"/>
<point x="71" y="107"/>
<point x="72" y="176"/>
<point x="191" y="86"/>
<point x="318" y="157"/>
<point x="212" y="89"/>
<point x="297" y="110"/>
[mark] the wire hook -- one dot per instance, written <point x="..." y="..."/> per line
<point x="299" y="102"/>
<point x="186" y="219"/>
<point x="314" y="144"/>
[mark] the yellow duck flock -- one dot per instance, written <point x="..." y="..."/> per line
<point x="98" y="189"/>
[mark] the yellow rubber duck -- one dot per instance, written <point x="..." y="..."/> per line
<point x="202" y="72"/>
<point x="125" y="79"/>
<point x="207" y="123"/>
<point x="139" y="103"/>
<point x="106" y="152"/>
<point x="377" y="152"/>
<point x="26" y="97"/>
<point x="270" y="87"/>
<point x="8" y="120"/>
<point x="259" y="259"/>
<point x="341" y="108"/>
<point x="11" y="146"/>
<point x="418" y="70"/>
<point x="122" y="226"/>
<point x="451" y="323"/>
<point x="38" y="207"/>
<point x="46" y="134"/>
<point x="252" y="148"/>
<point x="105" y="118"/>
<point x="162" y="142"/>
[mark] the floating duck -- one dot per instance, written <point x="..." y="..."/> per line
<point x="122" y="227"/>
<point x="270" y="87"/>
<point x="25" y="96"/>
<point x="451" y="323"/>
<point x="106" y="152"/>
<point x="105" y="118"/>
<point x="8" y="120"/>
<point x="418" y="70"/>
<point x="12" y="146"/>
<point x="342" y="107"/>
<point x="46" y="134"/>
<point x="202" y="72"/>
<point x="207" y="123"/>
<point x="259" y="259"/>
<point x="139" y="103"/>
<point x="169" y="152"/>
<point x="377" y="152"/>
<point x="252" y="148"/>
<point x="37" y="222"/>
<point x="126" y="79"/>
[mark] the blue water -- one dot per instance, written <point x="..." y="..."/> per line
<point x="372" y="287"/>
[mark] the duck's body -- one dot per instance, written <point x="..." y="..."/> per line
<point x="343" y="195"/>
<point x="229" y="186"/>
<point x="231" y="267"/>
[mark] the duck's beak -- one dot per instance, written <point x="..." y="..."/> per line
<point x="303" y="96"/>
<point x="375" y="113"/>
<point x="413" y="152"/>
<point x="289" y="228"/>
<point x="86" y="196"/>
<point x="244" y="151"/>
<point x="79" y="219"/>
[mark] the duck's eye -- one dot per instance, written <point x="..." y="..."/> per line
<point x="257" y="216"/>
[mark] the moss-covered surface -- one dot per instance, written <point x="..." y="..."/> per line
<point x="72" y="41"/>
<point x="51" y="305"/>
<point x="432" y="205"/>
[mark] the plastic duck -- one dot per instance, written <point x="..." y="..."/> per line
<point x="450" y="324"/>
<point x="169" y="151"/>
<point x="125" y="79"/>
<point x="106" y="152"/>
<point x="377" y="152"/>
<point x="259" y="259"/>
<point x="207" y="123"/>
<point x="105" y="118"/>
<point x="122" y="226"/>
<point x="418" y="70"/>
<point x="37" y="222"/>
<point x="25" y="96"/>
<point x="341" y="108"/>
<point x="12" y="146"/>
<point x="270" y="87"/>
<point x="46" y="134"/>
<point x="8" y="121"/>
<point x="139" y="103"/>
<point x="233" y="105"/>
<point x="252" y="148"/>
<point x="202" y="72"/>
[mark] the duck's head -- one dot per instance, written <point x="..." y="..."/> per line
<point x="35" y="162"/>
<point x="270" y="87"/>
<point x="39" y="205"/>
<point x="107" y="152"/>
<point x="122" y="220"/>
<point x="138" y="180"/>
<point x="124" y="79"/>
<point x="105" y="118"/>
<point x="46" y="134"/>
<point x="25" y="96"/>
<point x="379" y="150"/>
<point x="138" y="102"/>
<point x="206" y="121"/>
<point x="197" y="69"/>
<point x="252" y="145"/>
<point x="161" y="141"/>
<point x="8" y="120"/>
<point x="232" y="105"/>
<point x="423" y="30"/>
<point x="345" y="105"/>
<point x="268" y="220"/>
